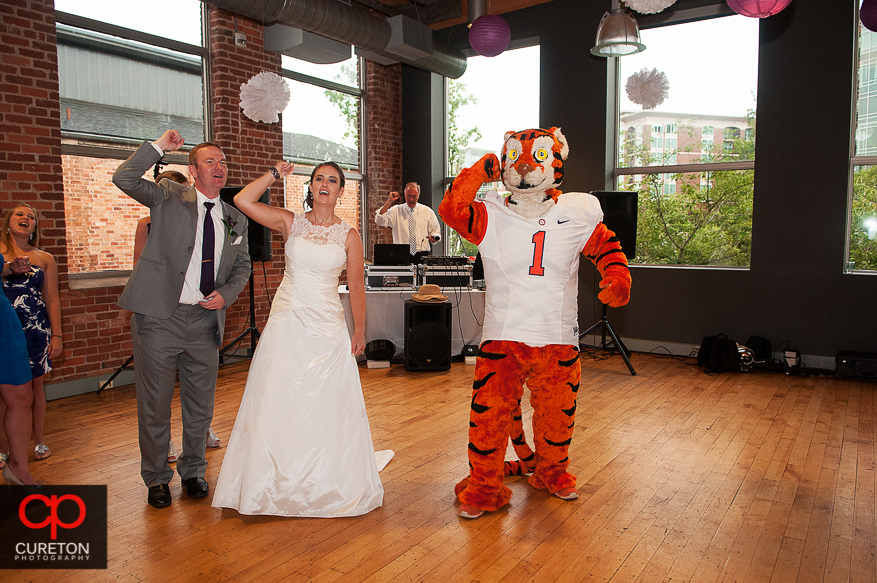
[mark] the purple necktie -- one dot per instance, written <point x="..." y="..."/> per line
<point x="207" y="249"/>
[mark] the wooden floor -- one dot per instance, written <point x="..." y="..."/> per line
<point x="683" y="476"/>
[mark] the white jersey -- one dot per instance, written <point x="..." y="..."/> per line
<point x="531" y="269"/>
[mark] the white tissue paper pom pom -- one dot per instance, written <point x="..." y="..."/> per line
<point x="648" y="88"/>
<point x="264" y="96"/>
<point x="649" y="6"/>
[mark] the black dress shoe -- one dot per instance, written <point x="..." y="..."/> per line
<point x="196" y="487"/>
<point x="159" y="496"/>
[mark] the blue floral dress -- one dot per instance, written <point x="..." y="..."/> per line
<point x="25" y="293"/>
<point x="14" y="367"/>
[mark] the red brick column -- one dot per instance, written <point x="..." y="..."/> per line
<point x="383" y="138"/>
<point x="250" y="147"/>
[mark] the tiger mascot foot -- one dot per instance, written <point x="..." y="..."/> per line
<point x="567" y="494"/>
<point x="469" y="511"/>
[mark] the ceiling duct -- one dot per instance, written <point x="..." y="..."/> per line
<point x="304" y="45"/>
<point x="350" y="24"/>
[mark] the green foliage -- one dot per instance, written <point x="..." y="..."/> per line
<point x="346" y="103"/>
<point x="458" y="139"/>
<point x="863" y="251"/>
<point x="457" y="245"/>
<point x="702" y="218"/>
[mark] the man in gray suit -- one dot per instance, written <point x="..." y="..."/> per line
<point x="195" y="263"/>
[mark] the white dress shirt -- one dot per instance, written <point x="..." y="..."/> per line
<point x="192" y="286"/>
<point x="425" y="221"/>
<point x="191" y="293"/>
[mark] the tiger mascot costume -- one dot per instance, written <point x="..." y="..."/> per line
<point x="529" y="243"/>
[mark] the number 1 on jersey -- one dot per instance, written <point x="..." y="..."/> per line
<point x="538" y="248"/>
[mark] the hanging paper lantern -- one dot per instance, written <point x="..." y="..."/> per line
<point x="490" y="35"/>
<point x="264" y="96"/>
<point x="648" y="88"/>
<point x="758" y="8"/>
<point x="649" y="6"/>
<point x="868" y="14"/>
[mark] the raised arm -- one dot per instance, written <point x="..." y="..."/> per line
<point x="458" y="208"/>
<point x="381" y="217"/>
<point x="129" y="176"/>
<point x="247" y="200"/>
<point x="604" y="251"/>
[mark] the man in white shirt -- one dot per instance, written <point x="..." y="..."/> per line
<point x="413" y="224"/>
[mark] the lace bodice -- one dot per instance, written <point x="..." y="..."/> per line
<point x="315" y="258"/>
<point x="334" y="234"/>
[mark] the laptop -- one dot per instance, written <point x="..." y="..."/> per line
<point x="392" y="254"/>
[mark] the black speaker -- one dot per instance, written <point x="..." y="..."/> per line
<point x="427" y="335"/>
<point x="619" y="215"/>
<point x="258" y="235"/>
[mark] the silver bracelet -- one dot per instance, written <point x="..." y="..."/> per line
<point x="275" y="173"/>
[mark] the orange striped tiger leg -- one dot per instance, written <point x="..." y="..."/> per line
<point x="497" y="388"/>
<point x="553" y="395"/>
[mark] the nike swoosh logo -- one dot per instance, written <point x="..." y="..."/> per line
<point x="559" y="222"/>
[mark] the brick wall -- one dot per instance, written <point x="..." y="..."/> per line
<point x="383" y="135"/>
<point x="96" y="332"/>
<point x="30" y="133"/>
<point x="250" y="147"/>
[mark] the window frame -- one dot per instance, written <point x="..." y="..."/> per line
<point x="855" y="160"/>
<point x="359" y="93"/>
<point x="614" y="87"/>
<point x="105" y="278"/>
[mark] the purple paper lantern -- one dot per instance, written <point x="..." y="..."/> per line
<point x="868" y="14"/>
<point x="490" y="35"/>
<point x="758" y="8"/>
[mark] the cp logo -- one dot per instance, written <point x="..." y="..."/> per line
<point x="53" y="520"/>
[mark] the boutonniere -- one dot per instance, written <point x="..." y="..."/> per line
<point x="230" y="224"/>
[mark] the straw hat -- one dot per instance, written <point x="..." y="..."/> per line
<point x="429" y="293"/>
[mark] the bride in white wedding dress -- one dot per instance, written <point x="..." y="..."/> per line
<point x="301" y="444"/>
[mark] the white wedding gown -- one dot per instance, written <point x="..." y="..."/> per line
<point x="301" y="444"/>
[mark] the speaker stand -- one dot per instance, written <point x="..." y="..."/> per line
<point x="606" y="327"/>
<point x="251" y="329"/>
<point x="115" y="374"/>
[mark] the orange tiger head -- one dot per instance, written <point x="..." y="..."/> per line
<point x="532" y="160"/>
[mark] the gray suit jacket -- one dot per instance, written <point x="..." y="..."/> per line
<point x="157" y="280"/>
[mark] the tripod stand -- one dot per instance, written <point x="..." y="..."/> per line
<point x="606" y="327"/>
<point x="251" y="329"/>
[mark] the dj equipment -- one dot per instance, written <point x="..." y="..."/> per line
<point x="856" y="365"/>
<point x="444" y="260"/>
<point x="619" y="216"/>
<point x="258" y="236"/>
<point x="446" y="275"/>
<point x="390" y="277"/>
<point x="427" y="335"/>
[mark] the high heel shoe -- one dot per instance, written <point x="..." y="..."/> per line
<point x="10" y="477"/>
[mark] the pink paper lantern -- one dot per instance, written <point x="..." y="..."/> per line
<point x="758" y="8"/>
<point x="490" y="35"/>
<point x="868" y="14"/>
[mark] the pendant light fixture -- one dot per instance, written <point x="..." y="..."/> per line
<point x="617" y="34"/>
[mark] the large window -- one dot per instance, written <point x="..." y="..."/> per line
<point x="127" y="72"/>
<point x="862" y="226"/>
<point x="323" y="122"/>
<point x="478" y="116"/>
<point x="691" y="158"/>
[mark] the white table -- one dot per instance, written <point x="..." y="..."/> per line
<point x="385" y="316"/>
